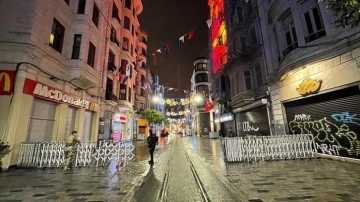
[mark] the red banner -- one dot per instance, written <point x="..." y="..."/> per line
<point x="7" y="82"/>
<point x="44" y="91"/>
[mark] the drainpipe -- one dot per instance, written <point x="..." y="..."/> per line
<point x="268" y="109"/>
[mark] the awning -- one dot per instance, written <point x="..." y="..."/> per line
<point x="256" y="104"/>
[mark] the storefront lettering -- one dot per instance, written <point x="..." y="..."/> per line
<point x="6" y="82"/>
<point x="44" y="91"/>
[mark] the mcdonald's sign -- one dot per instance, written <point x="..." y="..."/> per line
<point x="7" y="79"/>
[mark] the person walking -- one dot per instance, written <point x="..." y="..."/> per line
<point x="71" y="141"/>
<point x="152" y="141"/>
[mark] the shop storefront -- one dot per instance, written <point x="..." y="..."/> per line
<point x="55" y="113"/>
<point x="253" y="119"/>
<point x="333" y="118"/>
<point x="253" y="122"/>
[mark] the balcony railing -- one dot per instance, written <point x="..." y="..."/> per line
<point x="290" y="48"/>
<point x="114" y="40"/>
<point x="315" y="36"/>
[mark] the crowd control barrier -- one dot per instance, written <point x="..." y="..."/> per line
<point x="52" y="154"/>
<point x="265" y="148"/>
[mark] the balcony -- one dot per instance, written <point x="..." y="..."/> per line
<point x="82" y="74"/>
<point x="290" y="48"/>
<point x="140" y="98"/>
<point x="314" y="36"/>
<point x="246" y="97"/>
<point x="114" y="40"/>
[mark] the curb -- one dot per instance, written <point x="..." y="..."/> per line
<point x="339" y="158"/>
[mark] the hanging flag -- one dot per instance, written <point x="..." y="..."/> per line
<point x="182" y="38"/>
<point x="190" y="34"/>
<point x="128" y="69"/>
<point x="209" y="22"/>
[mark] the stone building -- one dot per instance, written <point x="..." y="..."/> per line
<point x="69" y="65"/>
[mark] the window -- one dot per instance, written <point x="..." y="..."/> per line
<point x="129" y="94"/>
<point x="67" y="2"/>
<point x="142" y="92"/>
<point x="57" y="35"/>
<point x="253" y="36"/>
<point x="109" y="88"/>
<point x="124" y="63"/>
<point x="202" y="88"/>
<point x="113" y="37"/>
<point x="115" y="13"/>
<point x="81" y="7"/>
<point x="201" y="78"/>
<point x="127" y="23"/>
<point x="111" y="61"/>
<point x="132" y="50"/>
<point x="128" y="4"/>
<point x="290" y="34"/>
<point x="91" y="54"/>
<point x="76" y="47"/>
<point x="122" y="93"/>
<point x="125" y="45"/>
<point x="143" y="80"/>
<point x="247" y="75"/>
<point x="240" y="14"/>
<point x="313" y="21"/>
<point x="201" y="67"/>
<point x="258" y="75"/>
<point x="132" y="30"/>
<point x="95" y="16"/>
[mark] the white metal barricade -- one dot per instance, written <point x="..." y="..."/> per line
<point x="256" y="148"/>
<point x="52" y="154"/>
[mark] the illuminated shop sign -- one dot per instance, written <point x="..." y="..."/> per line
<point x="6" y="82"/>
<point x="44" y="91"/>
<point x="225" y="118"/>
<point x="309" y="86"/>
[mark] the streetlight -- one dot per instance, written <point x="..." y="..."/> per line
<point x="198" y="98"/>
<point x="155" y="99"/>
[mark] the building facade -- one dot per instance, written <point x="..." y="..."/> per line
<point x="203" y="120"/>
<point x="314" y="74"/>
<point x="72" y="65"/>
<point x="290" y="71"/>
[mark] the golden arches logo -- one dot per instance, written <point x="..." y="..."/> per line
<point x="7" y="81"/>
<point x="92" y="106"/>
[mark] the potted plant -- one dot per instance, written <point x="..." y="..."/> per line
<point x="4" y="150"/>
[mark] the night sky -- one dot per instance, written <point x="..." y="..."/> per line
<point x="165" y="21"/>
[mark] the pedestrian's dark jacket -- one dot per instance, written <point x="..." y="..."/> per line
<point x="152" y="140"/>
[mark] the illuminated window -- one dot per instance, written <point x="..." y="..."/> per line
<point x="57" y="35"/>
